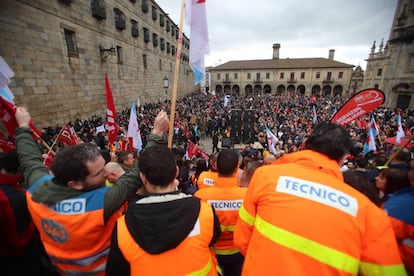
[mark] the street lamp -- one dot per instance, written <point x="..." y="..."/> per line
<point x="165" y="84"/>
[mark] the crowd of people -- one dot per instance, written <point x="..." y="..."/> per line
<point x="103" y="209"/>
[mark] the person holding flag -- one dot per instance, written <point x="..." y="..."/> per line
<point x="272" y="140"/>
<point x="72" y="209"/>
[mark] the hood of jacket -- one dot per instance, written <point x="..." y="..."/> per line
<point x="161" y="222"/>
<point x="314" y="160"/>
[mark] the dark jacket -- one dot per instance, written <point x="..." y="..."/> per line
<point x="157" y="225"/>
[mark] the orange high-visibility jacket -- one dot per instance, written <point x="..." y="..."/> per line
<point x="300" y="218"/>
<point x="74" y="233"/>
<point x="226" y="198"/>
<point x="206" y="179"/>
<point x="178" y="261"/>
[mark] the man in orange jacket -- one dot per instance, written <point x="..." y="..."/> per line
<point x="300" y="218"/>
<point x="72" y="209"/>
<point x="164" y="232"/>
<point x="226" y="197"/>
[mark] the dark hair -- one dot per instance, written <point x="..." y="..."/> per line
<point x="361" y="162"/>
<point x="380" y="160"/>
<point x="123" y="155"/>
<point x="70" y="162"/>
<point x="106" y="154"/>
<point x="396" y="179"/>
<point x="158" y="165"/>
<point x="227" y="162"/>
<point x="329" y="139"/>
<point x="360" y="182"/>
<point x="9" y="161"/>
<point x="200" y="167"/>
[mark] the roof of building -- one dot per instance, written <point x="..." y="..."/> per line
<point x="287" y="63"/>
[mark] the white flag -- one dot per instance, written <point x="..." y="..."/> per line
<point x="271" y="140"/>
<point x="134" y="135"/>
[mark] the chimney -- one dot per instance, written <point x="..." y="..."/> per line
<point x="331" y="54"/>
<point x="276" y="48"/>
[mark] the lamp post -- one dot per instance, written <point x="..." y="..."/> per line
<point x="165" y="84"/>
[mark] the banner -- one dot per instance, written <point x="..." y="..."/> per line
<point x="68" y="136"/>
<point x="359" y="104"/>
<point x="111" y="113"/>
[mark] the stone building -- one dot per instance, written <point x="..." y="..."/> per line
<point x="61" y="49"/>
<point x="309" y="76"/>
<point x="390" y="67"/>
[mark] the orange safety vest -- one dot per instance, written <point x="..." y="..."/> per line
<point x="300" y="218"/>
<point x="178" y="261"/>
<point x="206" y="179"/>
<point x="226" y="198"/>
<point x="73" y="231"/>
<point x="405" y="238"/>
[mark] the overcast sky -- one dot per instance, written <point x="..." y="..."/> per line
<point x="245" y="29"/>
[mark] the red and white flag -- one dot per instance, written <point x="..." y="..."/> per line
<point x="113" y="127"/>
<point x="68" y="136"/>
<point x="134" y="135"/>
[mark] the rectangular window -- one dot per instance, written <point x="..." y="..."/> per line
<point x="218" y="76"/>
<point x="160" y="64"/>
<point x="379" y="72"/>
<point x="340" y="75"/>
<point x="292" y="75"/>
<point x="144" y="61"/>
<point x="236" y="76"/>
<point x="119" y="54"/>
<point x="267" y="76"/>
<point x="282" y="75"/>
<point x="248" y="76"/>
<point x="376" y="86"/>
<point x="134" y="28"/>
<point x="71" y="43"/>
<point x="318" y="75"/>
<point x="258" y="76"/>
<point x="302" y="75"/>
<point x="329" y="76"/>
<point x="227" y="77"/>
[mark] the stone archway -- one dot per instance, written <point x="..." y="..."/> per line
<point x="227" y="89"/>
<point x="219" y="90"/>
<point x="291" y="90"/>
<point x="337" y="91"/>
<point x="248" y="90"/>
<point x="327" y="90"/>
<point x="235" y="90"/>
<point x="316" y="90"/>
<point x="301" y="89"/>
<point x="281" y="89"/>
<point x="267" y="89"/>
<point x="257" y="89"/>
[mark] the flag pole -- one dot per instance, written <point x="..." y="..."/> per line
<point x="53" y="144"/>
<point x="399" y="150"/>
<point x="176" y="71"/>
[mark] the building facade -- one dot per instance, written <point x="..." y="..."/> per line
<point x="390" y="68"/>
<point x="306" y="76"/>
<point x="61" y="49"/>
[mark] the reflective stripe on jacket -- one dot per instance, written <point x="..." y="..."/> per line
<point x="226" y="198"/>
<point x="178" y="261"/>
<point x="74" y="233"/>
<point x="300" y="218"/>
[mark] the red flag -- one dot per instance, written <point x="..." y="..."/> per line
<point x="111" y="113"/>
<point x="361" y="103"/>
<point x="6" y="144"/>
<point x="68" y="136"/>
<point x="192" y="149"/>
<point x="7" y="111"/>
